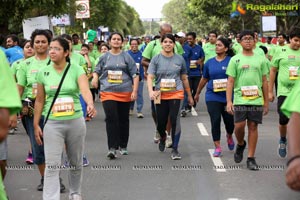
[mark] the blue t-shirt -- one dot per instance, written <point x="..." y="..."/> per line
<point x="187" y="56"/>
<point x="14" y="53"/>
<point x="137" y="57"/>
<point x="214" y="70"/>
<point x="197" y="53"/>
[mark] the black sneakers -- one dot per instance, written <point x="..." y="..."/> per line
<point x="40" y="187"/>
<point x="251" y="164"/>
<point x="238" y="155"/>
<point x="162" y="145"/>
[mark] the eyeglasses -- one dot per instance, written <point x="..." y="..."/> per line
<point x="55" y="49"/>
<point x="250" y="39"/>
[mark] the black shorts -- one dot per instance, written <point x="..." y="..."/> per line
<point x="283" y="120"/>
<point x="246" y="112"/>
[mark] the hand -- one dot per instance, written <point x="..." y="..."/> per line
<point x="271" y="96"/>
<point x="292" y="175"/>
<point x="133" y="95"/>
<point x="95" y="83"/>
<point x="91" y="110"/>
<point x="154" y="94"/>
<point x="38" y="135"/>
<point x="266" y="109"/>
<point x="145" y="75"/>
<point x="191" y="100"/>
<point x="12" y="121"/>
<point x="230" y="108"/>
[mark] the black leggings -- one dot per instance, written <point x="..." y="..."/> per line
<point x="117" y="123"/>
<point x="194" y="82"/>
<point x="164" y="110"/>
<point x="216" y="110"/>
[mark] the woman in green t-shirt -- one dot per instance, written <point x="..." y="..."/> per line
<point x="66" y="124"/>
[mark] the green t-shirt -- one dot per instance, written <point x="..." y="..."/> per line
<point x="9" y="95"/>
<point x="26" y="75"/>
<point x="247" y="72"/>
<point x="259" y="51"/>
<point x="90" y="70"/>
<point x="2" y="189"/>
<point x="237" y="48"/>
<point x="209" y="51"/>
<point x="287" y="61"/>
<point x="91" y="35"/>
<point x="274" y="50"/>
<point x="15" y="68"/>
<point x="76" y="48"/>
<point x="154" y="48"/>
<point x="292" y="103"/>
<point x="67" y="104"/>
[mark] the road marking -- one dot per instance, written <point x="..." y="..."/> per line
<point x="217" y="161"/>
<point x="233" y="199"/>
<point x="202" y="129"/>
<point x="193" y="111"/>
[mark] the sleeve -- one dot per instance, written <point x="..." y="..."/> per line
<point x="9" y="95"/>
<point x="79" y="70"/>
<point x="206" y="70"/>
<point x="290" y="105"/>
<point x="98" y="67"/>
<point x="153" y="65"/>
<point x="147" y="53"/>
<point x="131" y="65"/>
<point x="14" y="67"/>
<point x="275" y="61"/>
<point x="231" y="69"/>
<point x="179" y="48"/>
<point x="21" y="74"/>
<point x="183" y="66"/>
<point x="264" y="66"/>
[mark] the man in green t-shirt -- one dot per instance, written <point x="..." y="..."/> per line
<point x="10" y="104"/>
<point x="287" y="62"/>
<point x="76" y="46"/>
<point x="210" y="47"/>
<point x="247" y="78"/>
<point x="91" y="34"/>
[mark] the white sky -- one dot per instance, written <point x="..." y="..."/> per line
<point x="147" y="8"/>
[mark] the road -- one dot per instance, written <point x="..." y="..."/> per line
<point x="147" y="174"/>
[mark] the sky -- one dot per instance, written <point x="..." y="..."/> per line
<point x="147" y="8"/>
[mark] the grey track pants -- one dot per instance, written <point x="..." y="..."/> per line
<point x="57" y="134"/>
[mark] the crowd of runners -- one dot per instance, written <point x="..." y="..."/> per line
<point x="51" y="83"/>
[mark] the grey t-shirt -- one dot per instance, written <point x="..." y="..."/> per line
<point x="116" y="72"/>
<point x="167" y="68"/>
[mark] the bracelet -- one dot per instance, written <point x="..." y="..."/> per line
<point x="292" y="159"/>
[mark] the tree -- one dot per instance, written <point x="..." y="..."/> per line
<point x="13" y="12"/>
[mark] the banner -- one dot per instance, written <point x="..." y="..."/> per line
<point x="30" y="24"/>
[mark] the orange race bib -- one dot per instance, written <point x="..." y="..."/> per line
<point x="167" y="85"/>
<point x="63" y="106"/>
<point x="250" y="92"/>
<point x="220" y="85"/>
<point x="115" y="77"/>
<point x="293" y="72"/>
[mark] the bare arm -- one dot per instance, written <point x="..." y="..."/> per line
<point x="230" y="84"/>
<point x="293" y="170"/>
<point x="201" y="84"/>
<point x="186" y="86"/>
<point x="273" y="72"/>
<point x="265" y="94"/>
<point x="86" y="94"/>
<point x="145" y="63"/>
<point x="4" y="119"/>
<point x="95" y="80"/>
<point x="135" y="88"/>
<point x="38" y="109"/>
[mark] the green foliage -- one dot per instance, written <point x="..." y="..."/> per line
<point x="203" y="16"/>
<point x="115" y="14"/>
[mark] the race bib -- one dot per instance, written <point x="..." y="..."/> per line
<point x="63" y="107"/>
<point x="167" y="85"/>
<point x="293" y="73"/>
<point x="250" y="92"/>
<point x="137" y="66"/>
<point x="220" y="85"/>
<point x="34" y="90"/>
<point x="115" y="77"/>
<point x="193" y="64"/>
